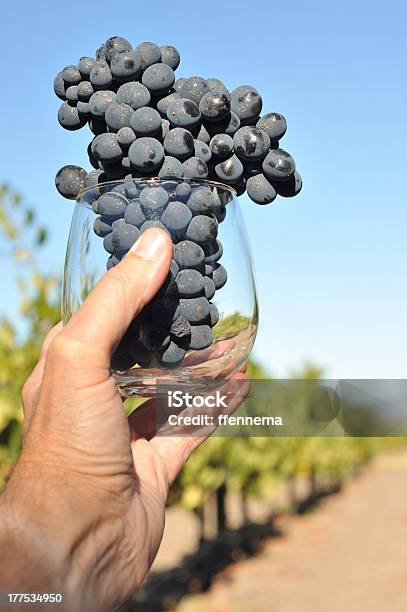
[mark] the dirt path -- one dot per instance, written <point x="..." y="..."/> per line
<point x="349" y="555"/>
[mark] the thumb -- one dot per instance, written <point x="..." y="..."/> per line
<point x="119" y="296"/>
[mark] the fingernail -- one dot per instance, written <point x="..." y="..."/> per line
<point x="149" y="244"/>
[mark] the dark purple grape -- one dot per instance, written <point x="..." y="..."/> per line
<point x="134" y="94"/>
<point x="260" y="190"/>
<point x="274" y="124"/>
<point x="213" y="252"/>
<point x="291" y="187"/>
<point x="126" y="65"/>
<point x="203" y="135"/>
<point x="179" y="143"/>
<point x="171" y="168"/>
<point x="101" y="76"/>
<point x="194" y="310"/>
<point x="278" y="165"/>
<point x="230" y="170"/>
<point x="72" y="94"/>
<point x="195" y="168"/>
<point x="146" y="121"/>
<point x="251" y="143"/>
<point x="182" y="192"/>
<point x="71" y="75"/>
<point x="146" y="155"/>
<point x="163" y="103"/>
<point x="200" y="200"/>
<point x="172" y="356"/>
<point x="187" y="254"/>
<point x="85" y="91"/>
<point x="124" y="236"/>
<point x="101" y="227"/>
<point x="246" y="102"/>
<point x="213" y="314"/>
<point x="150" y="54"/>
<point x="201" y="337"/>
<point x="209" y="287"/>
<point x="125" y="137"/>
<point x="214" y="106"/>
<point x="85" y="66"/>
<point x="183" y="113"/>
<point x="118" y="115"/>
<point x="158" y="78"/>
<point x="110" y="205"/>
<point x="99" y="101"/>
<point x="178" y="84"/>
<point x="106" y="148"/>
<point x="219" y="276"/>
<point x="194" y="89"/>
<point x="221" y="146"/>
<point x="69" y="117"/>
<point x="115" y="44"/>
<point x="70" y="181"/>
<point x="170" y="56"/>
<point x="190" y="283"/>
<point x="153" y="201"/>
<point x="134" y="214"/>
<point x="202" y="230"/>
<point x="202" y="151"/>
<point x="59" y="86"/>
<point x="181" y="328"/>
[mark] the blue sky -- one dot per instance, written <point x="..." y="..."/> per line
<point x="331" y="264"/>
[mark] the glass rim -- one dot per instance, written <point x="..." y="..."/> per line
<point x="223" y="186"/>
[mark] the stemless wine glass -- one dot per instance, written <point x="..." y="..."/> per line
<point x="230" y="328"/>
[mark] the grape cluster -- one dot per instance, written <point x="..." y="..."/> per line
<point x="182" y="315"/>
<point x="148" y="123"/>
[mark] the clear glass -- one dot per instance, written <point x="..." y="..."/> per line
<point x="236" y="301"/>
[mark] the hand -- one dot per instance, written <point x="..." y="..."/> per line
<point x="83" y="512"/>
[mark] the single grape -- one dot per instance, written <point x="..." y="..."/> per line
<point x="100" y="54"/>
<point x="246" y="102"/>
<point x="101" y="76"/>
<point x="187" y="254"/>
<point x="146" y="121"/>
<point x="203" y="135"/>
<point x="59" y="86"/>
<point x="133" y="214"/>
<point x="202" y="151"/>
<point x="213" y="315"/>
<point x="278" y="165"/>
<point x="201" y="337"/>
<point x="72" y="94"/>
<point x="158" y="78"/>
<point x="180" y="329"/>
<point x="153" y="201"/>
<point x="99" y="101"/>
<point x="121" y="188"/>
<point x="85" y="91"/>
<point x="260" y="190"/>
<point x="209" y="287"/>
<point x="194" y="310"/>
<point x="126" y="65"/>
<point x="107" y="244"/>
<point x="134" y="94"/>
<point x="190" y="283"/>
<point x="200" y="200"/>
<point x="114" y="45"/>
<point x="150" y="54"/>
<point x="85" y="66"/>
<point x="163" y="103"/>
<point x="106" y="148"/>
<point x="182" y="192"/>
<point x="112" y="262"/>
<point x="69" y="117"/>
<point x="179" y="143"/>
<point x="195" y="168"/>
<point x="221" y="146"/>
<point x="274" y="124"/>
<point x="125" y="137"/>
<point x="183" y="113"/>
<point x="71" y="75"/>
<point x="70" y="181"/>
<point x="213" y="252"/>
<point x="170" y="56"/>
<point x="146" y="154"/>
<point x="202" y="230"/>
<point x="178" y="84"/>
<point x="176" y="218"/>
<point x="194" y="89"/>
<point x="118" y="115"/>
<point x="101" y="227"/>
<point x="219" y="276"/>
<point x="214" y="106"/>
<point x="171" y="168"/>
<point x="172" y="356"/>
<point x="218" y="86"/>
<point x="230" y="170"/>
<point x="251" y="143"/>
<point x="291" y="187"/>
<point x="234" y="124"/>
<point x="110" y="205"/>
<point x="165" y="128"/>
<point x="124" y="236"/>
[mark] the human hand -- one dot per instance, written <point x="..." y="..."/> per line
<point x="83" y="512"/>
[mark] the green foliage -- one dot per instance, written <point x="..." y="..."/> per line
<point x="21" y="238"/>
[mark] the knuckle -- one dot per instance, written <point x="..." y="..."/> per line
<point x="64" y="349"/>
